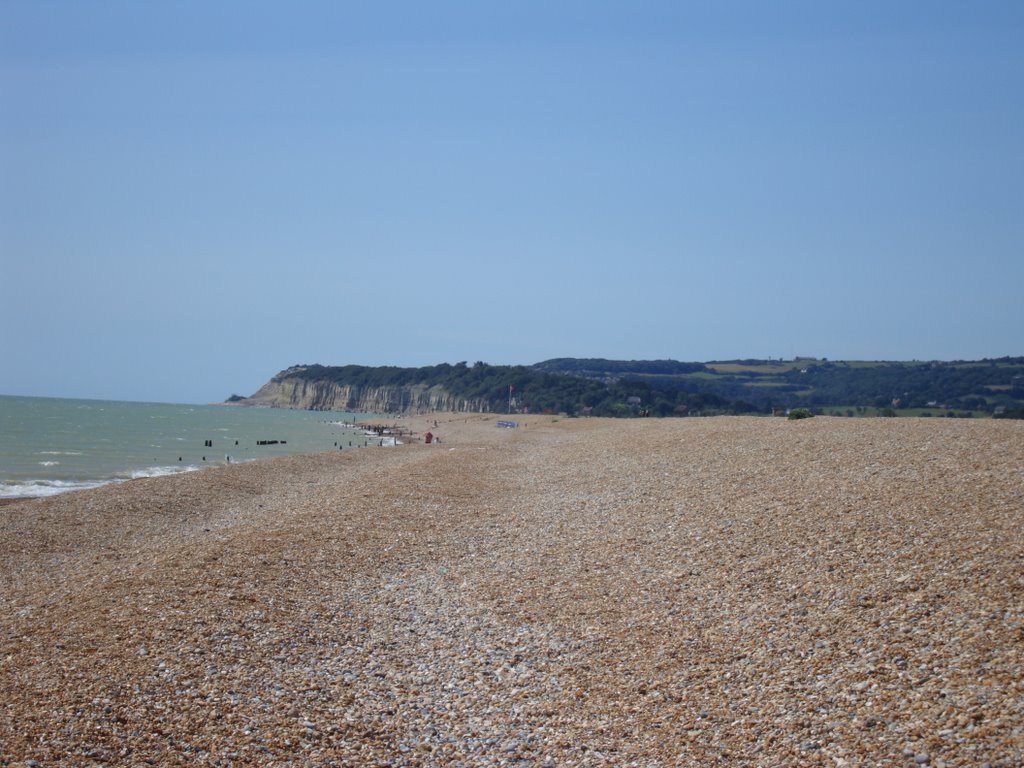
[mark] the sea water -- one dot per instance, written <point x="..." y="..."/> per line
<point x="50" y="445"/>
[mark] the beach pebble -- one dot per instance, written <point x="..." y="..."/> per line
<point x="583" y="593"/>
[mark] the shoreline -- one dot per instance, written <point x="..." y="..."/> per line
<point x="156" y="472"/>
<point x="579" y="592"/>
<point x="60" y="445"/>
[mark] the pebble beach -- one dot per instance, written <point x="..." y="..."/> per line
<point x="571" y="592"/>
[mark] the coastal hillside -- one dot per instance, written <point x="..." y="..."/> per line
<point x="459" y="388"/>
<point x="328" y="391"/>
<point x="602" y="387"/>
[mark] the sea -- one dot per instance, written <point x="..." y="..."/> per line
<point x="52" y="445"/>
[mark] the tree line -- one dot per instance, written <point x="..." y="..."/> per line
<point x="601" y="387"/>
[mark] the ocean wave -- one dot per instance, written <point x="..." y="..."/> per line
<point x="49" y="463"/>
<point x="138" y="474"/>
<point x="33" y="488"/>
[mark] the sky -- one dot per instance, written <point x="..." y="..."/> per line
<point x="195" y="195"/>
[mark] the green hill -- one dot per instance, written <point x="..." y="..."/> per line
<point x="667" y="387"/>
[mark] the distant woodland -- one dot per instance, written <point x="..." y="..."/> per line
<point x="670" y="388"/>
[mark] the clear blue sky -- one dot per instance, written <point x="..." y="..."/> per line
<point x="195" y="195"/>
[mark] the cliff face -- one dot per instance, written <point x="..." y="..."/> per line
<point x="289" y="390"/>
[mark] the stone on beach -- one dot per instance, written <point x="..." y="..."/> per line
<point x="732" y="591"/>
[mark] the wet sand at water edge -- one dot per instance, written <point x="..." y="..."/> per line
<point x="722" y="591"/>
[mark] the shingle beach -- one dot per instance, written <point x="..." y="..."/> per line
<point x="571" y="592"/>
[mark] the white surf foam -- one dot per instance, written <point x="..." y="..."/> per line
<point x="138" y="474"/>
<point x="31" y="488"/>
